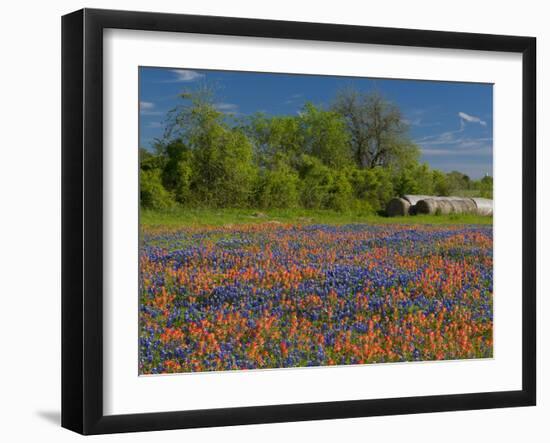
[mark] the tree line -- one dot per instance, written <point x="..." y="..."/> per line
<point x="355" y="154"/>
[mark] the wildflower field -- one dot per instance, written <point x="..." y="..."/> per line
<point x="278" y="295"/>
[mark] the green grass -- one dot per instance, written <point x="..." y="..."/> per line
<point x="218" y="217"/>
<point x="470" y="193"/>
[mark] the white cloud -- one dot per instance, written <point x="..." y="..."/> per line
<point x="420" y="117"/>
<point x="144" y="106"/>
<point x="457" y="142"/>
<point x="412" y="122"/>
<point x="449" y="143"/>
<point x="148" y="108"/>
<point x="451" y="138"/>
<point x="294" y="98"/>
<point x="226" y="107"/>
<point x="480" y="150"/>
<point x="185" y="75"/>
<point x="471" y="119"/>
<point x="440" y="139"/>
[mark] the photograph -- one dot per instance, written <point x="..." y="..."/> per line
<point x="293" y="220"/>
<point x="266" y="222"/>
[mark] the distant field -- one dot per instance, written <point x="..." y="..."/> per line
<point x="219" y="217"/>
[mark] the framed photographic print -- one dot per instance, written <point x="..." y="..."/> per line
<point x="269" y="221"/>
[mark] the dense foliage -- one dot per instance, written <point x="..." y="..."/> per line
<point x="357" y="154"/>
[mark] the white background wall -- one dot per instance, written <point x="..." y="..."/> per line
<point x="30" y="218"/>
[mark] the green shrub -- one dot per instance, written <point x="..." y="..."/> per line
<point x="317" y="180"/>
<point x="152" y="194"/>
<point x="177" y="173"/>
<point x="441" y="185"/>
<point x="362" y="207"/>
<point x="279" y="189"/>
<point x="340" y="193"/>
<point x="373" y="186"/>
<point x="223" y="171"/>
<point x="405" y="183"/>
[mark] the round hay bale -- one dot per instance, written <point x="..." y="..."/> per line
<point x="426" y="206"/>
<point x="462" y="206"/>
<point x="452" y="205"/>
<point x="444" y="207"/>
<point x="484" y="206"/>
<point x="456" y="207"/>
<point x="414" y="199"/>
<point x="397" y="207"/>
<point x="470" y="205"/>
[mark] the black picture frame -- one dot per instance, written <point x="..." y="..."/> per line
<point x="82" y="218"/>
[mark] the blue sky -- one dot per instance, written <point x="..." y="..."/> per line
<point x="451" y="122"/>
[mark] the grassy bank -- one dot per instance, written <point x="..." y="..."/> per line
<point x="217" y="217"/>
